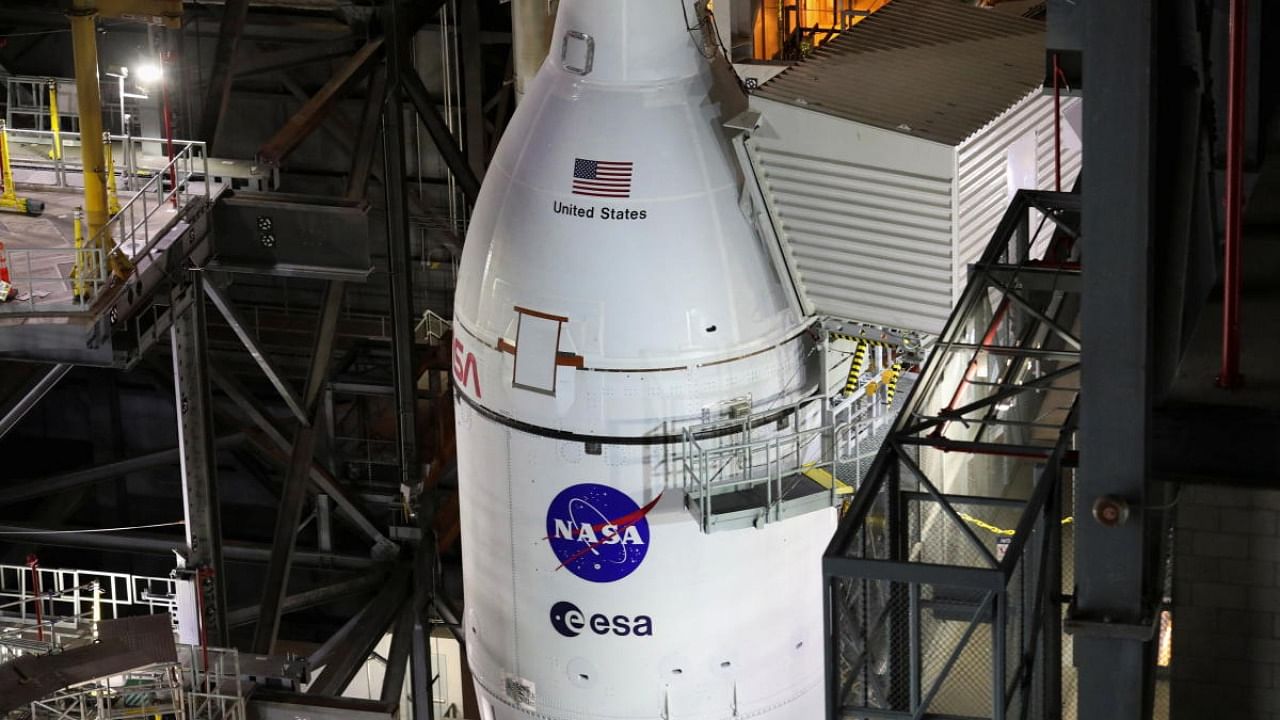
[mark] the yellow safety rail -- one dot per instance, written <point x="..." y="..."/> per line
<point x="81" y="269"/>
<point x="994" y="530"/>
<point x="55" y="121"/>
<point x="9" y="200"/>
<point x="113" y="195"/>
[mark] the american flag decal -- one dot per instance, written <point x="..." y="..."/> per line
<point x="597" y="178"/>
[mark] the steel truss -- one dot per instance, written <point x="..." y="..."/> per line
<point x="943" y="581"/>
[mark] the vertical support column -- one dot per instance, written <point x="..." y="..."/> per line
<point x="1111" y="562"/>
<point x="84" y="44"/>
<point x="399" y="263"/>
<point x="531" y="27"/>
<point x="473" y="85"/>
<point x="199" y="458"/>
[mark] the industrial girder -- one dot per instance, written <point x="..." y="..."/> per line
<point x="296" y="478"/>
<point x="218" y="94"/>
<point x="198" y="457"/>
<point x="66" y="481"/>
<point x="353" y="587"/>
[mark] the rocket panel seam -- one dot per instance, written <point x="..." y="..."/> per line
<point x="579" y="362"/>
<point x="570" y="436"/>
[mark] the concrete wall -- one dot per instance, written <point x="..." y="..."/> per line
<point x="1226" y="620"/>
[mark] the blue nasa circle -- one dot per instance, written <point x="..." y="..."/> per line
<point x="597" y="532"/>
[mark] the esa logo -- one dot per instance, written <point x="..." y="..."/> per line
<point x="570" y="622"/>
<point x="597" y="532"/>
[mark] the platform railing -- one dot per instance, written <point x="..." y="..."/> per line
<point x="71" y="601"/>
<point x="131" y="233"/>
<point x="775" y="450"/>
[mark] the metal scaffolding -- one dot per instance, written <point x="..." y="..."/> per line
<point x="943" y="581"/>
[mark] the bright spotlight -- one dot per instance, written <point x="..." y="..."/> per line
<point x="148" y="73"/>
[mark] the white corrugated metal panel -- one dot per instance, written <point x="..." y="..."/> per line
<point x="982" y="175"/>
<point x="864" y="216"/>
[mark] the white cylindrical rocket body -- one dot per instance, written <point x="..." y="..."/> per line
<point x="612" y="293"/>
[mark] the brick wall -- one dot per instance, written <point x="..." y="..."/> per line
<point x="1226" y="638"/>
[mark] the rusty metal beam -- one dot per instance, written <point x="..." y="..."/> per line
<point x="313" y="112"/>
<point x="218" y="94"/>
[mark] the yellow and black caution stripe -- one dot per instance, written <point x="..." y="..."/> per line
<point x="891" y="382"/>
<point x="858" y="339"/>
<point x="855" y="370"/>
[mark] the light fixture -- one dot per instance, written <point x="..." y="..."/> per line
<point x="148" y="73"/>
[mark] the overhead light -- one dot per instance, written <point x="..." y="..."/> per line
<point x="148" y="73"/>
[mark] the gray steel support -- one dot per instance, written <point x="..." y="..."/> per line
<point x="473" y="84"/>
<point x="366" y="142"/>
<point x="296" y="483"/>
<point x="32" y="397"/>
<point x="234" y="15"/>
<point x="435" y="126"/>
<point x="324" y="523"/>
<point x="320" y="477"/>
<point x="1116" y="319"/>
<point x="259" y="355"/>
<point x="420" y="664"/>
<point x="294" y="57"/>
<point x="312" y="598"/>
<point x="398" y="657"/>
<point x="77" y="537"/>
<point x="399" y="259"/>
<point x="58" y="483"/>
<point x="359" y="637"/>
<point x="201" y="508"/>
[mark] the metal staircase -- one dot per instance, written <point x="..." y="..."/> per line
<point x="943" y="581"/>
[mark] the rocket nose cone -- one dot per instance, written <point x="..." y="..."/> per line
<point x="628" y="41"/>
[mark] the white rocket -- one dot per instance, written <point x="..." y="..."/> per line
<point x="613" y="293"/>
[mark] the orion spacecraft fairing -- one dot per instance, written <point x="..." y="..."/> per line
<point x="612" y="294"/>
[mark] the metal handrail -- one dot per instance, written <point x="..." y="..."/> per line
<point x="136" y="216"/>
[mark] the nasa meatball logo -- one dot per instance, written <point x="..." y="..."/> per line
<point x="597" y="532"/>
<point x="570" y="621"/>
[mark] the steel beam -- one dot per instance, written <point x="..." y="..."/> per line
<point x="366" y="142"/>
<point x="198" y="455"/>
<point x="132" y="542"/>
<point x="473" y="84"/>
<point x="1111" y="562"/>
<point x="398" y="657"/>
<point x="313" y="112"/>
<point x="296" y="478"/>
<point x="353" y="587"/>
<point x="359" y="638"/>
<point x="434" y="122"/>
<point x="294" y="57"/>
<point x="280" y="449"/>
<point x="218" y="94"/>
<point x="399" y="259"/>
<point x="58" y="483"/>
<point x="32" y="397"/>
<point x="259" y="355"/>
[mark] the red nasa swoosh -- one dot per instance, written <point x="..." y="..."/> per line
<point x="625" y="521"/>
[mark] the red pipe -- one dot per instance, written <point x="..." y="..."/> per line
<point x="1057" y="123"/>
<point x="168" y="125"/>
<point x="201" y="575"/>
<point x="969" y="372"/>
<point x="34" y="563"/>
<point x="1229" y="376"/>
